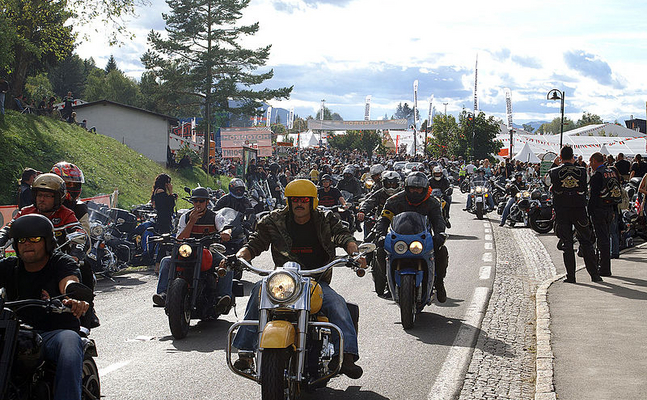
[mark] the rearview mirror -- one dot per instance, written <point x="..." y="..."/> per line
<point x="217" y="247"/>
<point x="367" y="248"/>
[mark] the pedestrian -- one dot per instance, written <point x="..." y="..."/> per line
<point x="638" y="168"/>
<point x="623" y="166"/>
<point x="24" y="191"/>
<point x="569" y="188"/>
<point x="604" y="184"/>
<point x="68" y="102"/>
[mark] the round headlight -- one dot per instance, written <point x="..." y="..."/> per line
<point x="96" y="230"/>
<point x="281" y="286"/>
<point x="400" y="247"/>
<point x="526" y="194"/>
<point x="415" y="247"/>
<point x="185" y="251"/>
<point x="479" y="189"/>
<point x="518" y="195"/>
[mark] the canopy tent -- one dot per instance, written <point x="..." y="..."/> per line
<point x="604" y="149"/>
<point x="526" y="155"/>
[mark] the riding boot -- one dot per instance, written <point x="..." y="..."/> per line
<point x="441" y="294"/>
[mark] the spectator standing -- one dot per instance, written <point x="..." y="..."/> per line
<point x="601" y="211"/>
<point x="623" y="166"/>
<point x="638" y="168"/>
<point x="24" y="191"/>
<point x="68" y="103"/>
<point x="569" y="189"/>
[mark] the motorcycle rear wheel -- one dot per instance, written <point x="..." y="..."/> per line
<point x="479" y="210"/>
<point x="90" y="381"/>
<point x="544" y="226"/>
<point x="407" y="300"/>
<point x="178" y="303"/>
<point x="274" y="369"/>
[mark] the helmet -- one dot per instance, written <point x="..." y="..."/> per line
<point x="237" y="188"/>
<point x="73" y="177"/>
<point x="33" y="225"/>
<point x="438" y="172"/>
<point x="416" y="180"/>
<point x="325" y="177"/>
<point x="274" y="168"/>
<point x="518" y="174"/>
<point x="376" y="169"/>
<point x="199" y="193"/>
<point x="349" y="170"/>
<point x="391" y="182"/>
<point x="302" y="188"/>
<point x="51" y="183"/>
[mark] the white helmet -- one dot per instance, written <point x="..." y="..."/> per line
<point x="438" y="173"/>
<point x="391" y="182"/>
<point x="376" y="169"/>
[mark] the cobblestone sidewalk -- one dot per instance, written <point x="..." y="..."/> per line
<point x="503" y="363"/>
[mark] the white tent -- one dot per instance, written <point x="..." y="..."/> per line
<point x="526" y="155"/>
<point x="604" y="149"/>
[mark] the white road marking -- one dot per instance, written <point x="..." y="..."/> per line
<point x="112" y="368"/>
<point x="487" y="257"/>
<point x="450" y="378"/>
<point x="488" y="237"/>
<point x="485" y="272"/>
<point x="487" y="231"/>
<point x="488" y="245"/>
<point x="486" y="224"/>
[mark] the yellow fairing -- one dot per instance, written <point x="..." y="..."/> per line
<point x="316" y="297"/>
<point x="278" y="335"/>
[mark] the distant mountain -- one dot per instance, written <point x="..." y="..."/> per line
<point x="535" y="125"/>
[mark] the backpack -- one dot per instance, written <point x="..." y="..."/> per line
<point x="611" y="193"/>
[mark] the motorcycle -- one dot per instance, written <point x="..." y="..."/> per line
<point x="24" y="374"/>
<point x="479" y="194"/>
<point x="410" y="264"/>
<point x="438" y="194"/>
<point x="192" y="283"/>
<point x="540" y="211"/>
<point x="295" y="345"/>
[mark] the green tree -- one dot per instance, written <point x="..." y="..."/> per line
<point x="444" y="140"/>
<point x="38" y="87"/>
<point x="202" y="56"/>
<point x="111" y="65"/>
<point x="328" y="115"/>
<point x="552" y="128"/>
<point x="299" y="125"/>
<point x="68" y="75"/>
<point x="588" y="119"/>
<point x="403" y="111"/>
<point x="361" y="140"/>
<point x="527" y="127"/>
<point x="114" y="86"/>
<point x="38" y="36"/>
<point x="479" y="134"/>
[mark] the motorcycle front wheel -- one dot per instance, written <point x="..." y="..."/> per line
<point x="90" y="381"/>
<point x="379" y="275"/>
<point x="274" y="370"/>
<point x="178" y="304"/>
<point x="543" y="226"/>
<point x="407" y="300"/>
<point x="479" y="210"/>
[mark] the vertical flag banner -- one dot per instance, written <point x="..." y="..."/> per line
<point x="476" y="71"/>
<point x="367" y="109"/>
<point x="430" y="119"/>
<point x="508" y="106"/>
<point x="415" y="103"/>
<point x="255" y="120"/>
<point x="321" y="118"/>
<point x="291" y="118"/>
<point x="268" y="121"/>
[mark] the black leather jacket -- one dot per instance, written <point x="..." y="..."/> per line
<point x="569" y="185"/>
<point x="398" y="203"/>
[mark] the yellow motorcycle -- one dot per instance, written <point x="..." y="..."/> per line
<point x="295" y="338"/>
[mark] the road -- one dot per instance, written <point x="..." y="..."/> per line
<point x="139" y="359"/>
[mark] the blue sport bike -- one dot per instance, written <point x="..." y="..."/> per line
<point x="410" y="264"/>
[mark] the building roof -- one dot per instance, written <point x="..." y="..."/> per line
<point x="172" y="120"/>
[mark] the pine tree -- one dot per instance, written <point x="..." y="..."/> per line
<point x="112" y="65"/>
<point x="202" y="57"/>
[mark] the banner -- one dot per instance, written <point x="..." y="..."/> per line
<point x="291" y="118"/>
<point x="328" y="125"/>
<point x="268" y="119"/>
<point x="430" y="119"/>
<point x="367" y="109"/>
<point x="508" y="106"/>
<point x="233" y="139"/>
<point x="476" y="71"/>
<point x="415" y="103"/>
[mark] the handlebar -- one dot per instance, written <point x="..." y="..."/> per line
<point x="52" y="305"/>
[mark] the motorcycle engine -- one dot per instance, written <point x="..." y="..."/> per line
<point x="29" y="352"/>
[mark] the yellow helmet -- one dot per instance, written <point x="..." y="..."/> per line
<point x="302" y="188"/>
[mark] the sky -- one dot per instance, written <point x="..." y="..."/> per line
<point x="341" y="51"/>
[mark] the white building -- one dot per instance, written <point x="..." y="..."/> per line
<point x="143" y="131"/>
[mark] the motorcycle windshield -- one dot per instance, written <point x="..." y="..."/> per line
<point x="409" y="223"/>
<point x="228" y="217"/>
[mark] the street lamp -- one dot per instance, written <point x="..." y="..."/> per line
<point x="557" y="94"/>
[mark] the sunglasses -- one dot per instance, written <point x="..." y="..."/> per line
<point x="199" y="200"/>
<point x="34" y="239"/>
<point x="300" y="199"/>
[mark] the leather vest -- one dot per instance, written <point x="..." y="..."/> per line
<point x="569" y="185"/>
<point x="204" y="226"/>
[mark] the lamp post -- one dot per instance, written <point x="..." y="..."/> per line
<point x="557" y="94"/>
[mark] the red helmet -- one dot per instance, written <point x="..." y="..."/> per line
<point x="73" y="177"/>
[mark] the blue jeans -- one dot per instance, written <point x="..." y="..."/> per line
<point x="334" y="307"/>
<point x="64" y="347"/>
<point x="224" y="286"/>
<point x="506" y="210"/>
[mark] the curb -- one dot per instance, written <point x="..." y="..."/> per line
<point x="544" y="382"/>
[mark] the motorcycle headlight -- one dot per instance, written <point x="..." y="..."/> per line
<point x="479" y="189"/>
<point x="415" y="247"/>
<point x="281" y="286"/>
<point x="185" y="251"/>
<point x="518" y="195"/>
<point x="526" y="194"/>
<point x="96" y="230"/>
<point x="400" y="247"/>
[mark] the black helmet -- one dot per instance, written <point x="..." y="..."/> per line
<point x="326" y="177"/>
<point x="33" y="225"/>
<point x="237" y="188"/>
<point x="416" y="179"/>
<point x="199" y="193"/>
<point x="274" y="168"/>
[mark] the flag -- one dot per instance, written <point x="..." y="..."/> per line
<point x="367" y="109"/>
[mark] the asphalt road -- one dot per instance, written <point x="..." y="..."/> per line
<point x="139" y="359"/>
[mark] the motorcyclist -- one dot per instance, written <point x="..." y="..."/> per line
<point x="512" y="189"/>
<point x="417" y="197"/>
<point x="197" y="222"/>
<point x="479" y="179"/>
<point x="376" y="200"/>
<point x="300" y="232"/>
<point x="40" y="272"/>
<point x="441" y="182"/>
<point x="74" y="180"/>
<point x="328" y="195"/>
<point x="350" y="183"/>
<point x="376" y="175"/>
<point x="276" y="190"/>
<point x="235" y="198"/>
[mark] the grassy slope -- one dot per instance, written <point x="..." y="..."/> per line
<point x="40" y="142"/>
